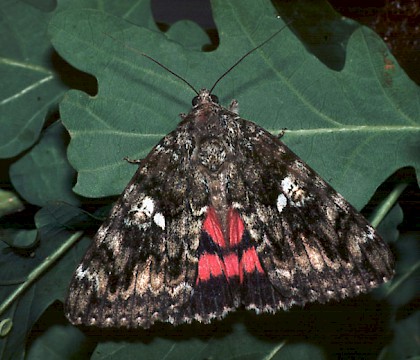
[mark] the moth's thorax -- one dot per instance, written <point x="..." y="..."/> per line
<point x="215" y="131"/>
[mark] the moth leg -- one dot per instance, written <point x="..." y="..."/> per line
<point x="281" y="133"/>
<point x="183" y="116"/>
<point x="234" y="106"/>
<point x="133" y="161"/>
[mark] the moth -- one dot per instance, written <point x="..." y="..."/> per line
<point x="222" y="214"/>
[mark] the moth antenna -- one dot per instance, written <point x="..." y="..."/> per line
<point x="158" y="63"/>
<point x="244" y="56"/>
<point x="170" y="71"/>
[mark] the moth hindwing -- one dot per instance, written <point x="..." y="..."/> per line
<point x="222" y="214"/>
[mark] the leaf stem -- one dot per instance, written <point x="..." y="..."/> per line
<point x="275" y="350"/>
<point x="39" y="270"/>
<point x="396" y="283"/>
<point x="387" y="204"/>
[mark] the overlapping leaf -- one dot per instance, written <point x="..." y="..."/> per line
<point x="53" y="224"/>
<point x="44" y="174"/>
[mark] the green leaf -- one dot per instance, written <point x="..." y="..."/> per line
<point x="238" y="344"/>
<point x="196" y="41"/>
<point x="301" y="351"/>
<point x="21" y="239"/>
<point x="52" y="225"/>
<point x="44" y="173"/>
<point x="405" y="285"/>
<point x="405" y="344"/>
<point x="9" y="203"/>
<point x="137" y="12"/>
<point x="5" y="327"/>
<point x="388" y="228"/>
<point x="59" y="342"/>
<point x="342" y="123"/>
<point x="30" y="86"/>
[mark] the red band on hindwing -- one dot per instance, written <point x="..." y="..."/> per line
<point x="209" y="264"/>
<point x="228" y="264"/>
<point x="236" y="227"/>
<point x="231" y="262"/>
<point x="249" y="263"/>
<point x="212" y="227"/>
<point x="249" y="260"/>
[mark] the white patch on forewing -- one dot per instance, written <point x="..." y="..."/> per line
<point x="287" y="185"/>
<point x="159" y="220"/>
<point x="144" y="210"/>
<point x="147" y="206"/>
<point x="141" y="214"/>
<point x="296" y="195"/>
<point x="281" y="202"/>
<point x="86" y="274"/>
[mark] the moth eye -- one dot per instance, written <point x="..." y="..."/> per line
<point x="195" y="101"/>
<point x="214" y="98"/>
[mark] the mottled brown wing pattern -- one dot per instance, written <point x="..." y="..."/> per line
<point x="219" y="214"/>
<point x="313" y="245"/>
<point x="133" y="274"/>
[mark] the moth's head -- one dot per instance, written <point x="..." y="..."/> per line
<point x="204" y="97"/>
